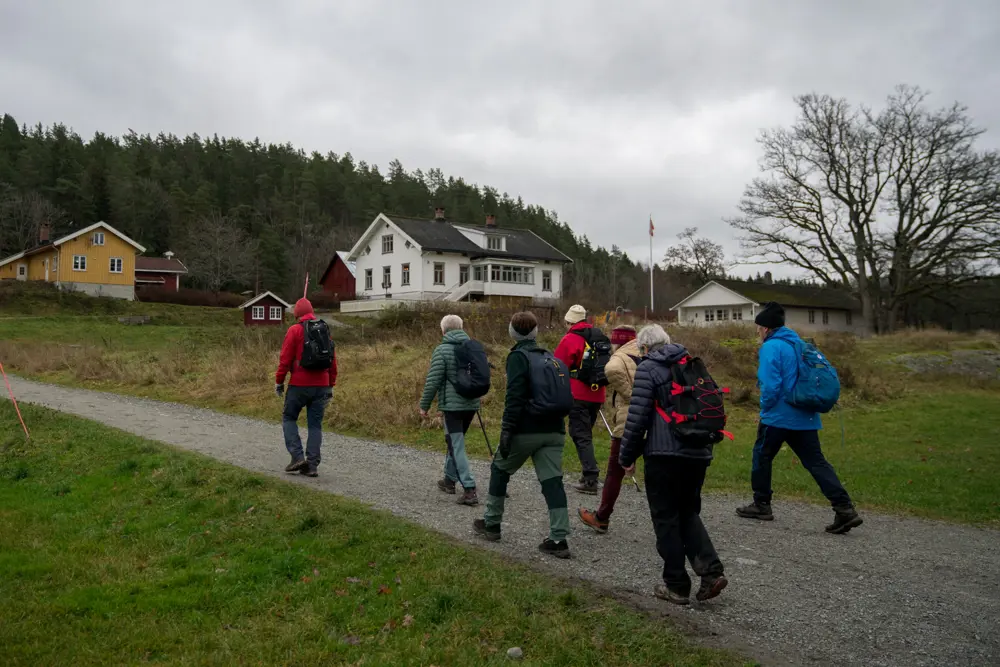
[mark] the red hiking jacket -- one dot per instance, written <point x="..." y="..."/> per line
<point x="291" y="352"/>
<point x="570" y="352"/>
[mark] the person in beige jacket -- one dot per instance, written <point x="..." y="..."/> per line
<point x="620" y="371"/>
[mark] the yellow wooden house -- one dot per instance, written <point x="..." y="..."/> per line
<point x="98" y="260"/>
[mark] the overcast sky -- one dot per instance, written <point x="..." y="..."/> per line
<point x="602" y="113"/>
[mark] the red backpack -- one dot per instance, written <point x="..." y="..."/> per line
<point x="698" y="417"/>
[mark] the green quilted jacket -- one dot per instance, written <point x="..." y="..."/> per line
<point x="443" y="368"/>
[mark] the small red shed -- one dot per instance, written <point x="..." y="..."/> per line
<point x="161" y="272"/>
<point x="338" y="280"/>
<point x="264" y="310"/>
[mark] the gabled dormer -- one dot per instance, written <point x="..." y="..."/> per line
<point x="489" y="238"/>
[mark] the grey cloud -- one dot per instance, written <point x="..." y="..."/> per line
<point x="603" y="113"/>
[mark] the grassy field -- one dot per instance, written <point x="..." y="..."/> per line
<point x="905" y="442"/>
<point x="116" y="550"/>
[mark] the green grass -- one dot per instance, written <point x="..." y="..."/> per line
<point x="117" y="550"/>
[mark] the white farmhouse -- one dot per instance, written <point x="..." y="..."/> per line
<point x="400" y="259"/>
<point x="807" y="307"/>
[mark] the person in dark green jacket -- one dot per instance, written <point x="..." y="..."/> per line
<point x="522" y="436"/>
<point x="458" y="411"/>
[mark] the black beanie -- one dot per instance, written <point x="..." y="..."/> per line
<point x="771" y="316"/>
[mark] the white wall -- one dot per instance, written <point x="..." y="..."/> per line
<point x="798" y="319"/>
<point x="695" y="315"/>
<point x="375" y="260"/>
<point x="716" y="295"/>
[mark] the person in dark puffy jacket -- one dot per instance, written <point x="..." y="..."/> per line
<point x="675" y="473"/>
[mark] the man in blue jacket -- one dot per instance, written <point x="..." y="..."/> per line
<point x="675" y="473"/>
<point x="781" y="423"/>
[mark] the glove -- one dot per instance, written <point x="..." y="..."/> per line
<point x="504" y="448"/>
<point x="279" y="390"/>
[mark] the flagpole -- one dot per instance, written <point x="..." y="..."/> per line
<point x="652" y="308"/>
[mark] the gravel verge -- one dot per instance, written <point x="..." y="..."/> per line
<point x="895" y="592"/>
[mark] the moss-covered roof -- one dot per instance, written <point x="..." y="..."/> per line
<point x="803" y="296"/>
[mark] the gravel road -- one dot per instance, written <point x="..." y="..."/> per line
<point x="897" y="591"/>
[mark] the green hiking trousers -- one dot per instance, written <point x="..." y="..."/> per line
<point x="546" y="452"/>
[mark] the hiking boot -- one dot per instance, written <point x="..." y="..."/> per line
<point x="491" y="533"/>
<point x="662" y="592"/>
<point x="446" y="485"/>
<point x="590" y="519"/>
<point x="468" y="497"/>
<point x="711" y="587"/>
<point x="759" y="511"/>
<point x="296" y="465"/>
<point x="557" y="549"/>
<point x="588" y="486"/>
<point x="845" y="518"/>
<point x="309" y="470"/>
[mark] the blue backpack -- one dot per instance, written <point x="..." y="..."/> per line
<point x="817" y="386"/>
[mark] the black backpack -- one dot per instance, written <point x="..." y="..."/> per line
<point x="550" y="391"/>
<point x="699" y="415"/>
<point x="596" y="354"/>
<point x="317" y="346"/>
<point x="472" y="376"/>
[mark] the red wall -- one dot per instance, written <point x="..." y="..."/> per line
<point x="339" y="281"/>
<point x="267" y="302"/>
<point x="170" y="280"/>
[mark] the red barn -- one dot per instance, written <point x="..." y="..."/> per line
<point x="265" y="310"/>
<point x="160" y="272"/>
<point x="338" y="280"/>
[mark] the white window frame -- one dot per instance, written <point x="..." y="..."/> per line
<point x="722" y="315"/>
<point x="257" y="313"/>
<point x="709" y="314"/>
<point x="512" y="275"/>
<point x="387" y="244"/>
<point x="463" y="270"/>
<point x="386" y="277"/>
<point x="494" y="243"/>
<point x="368" y="280"/>
<point x="275" y="313"/>
<point x="120" y="264"/>
<point x="405" y="275"/>
<point x="98" y="238"/>
<point x="439" y="266"/>
<point x="737" y="314"/>
<point x="79" y="263"/>
<point x="22" y="270"/>
<point x="812" y="317"/>
<point x="547" y="281"/>
<point x="478" y="271"/>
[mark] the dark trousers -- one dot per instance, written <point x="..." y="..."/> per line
<point x="314" y="400"/>
<point x="673" y="488"/>
<point x="805" y="445"/>
<point x="612" y="482"/>
<point x="582" y="418"/>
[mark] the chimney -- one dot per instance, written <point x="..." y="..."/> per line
<point x="768" y="279"/>
<point x="168" y="255"/>
<point x="439" y="213"/>
<point x="491" y="221"/>
<point x="43" y="233"/>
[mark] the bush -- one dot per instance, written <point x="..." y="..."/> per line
<point x="327" y="301"/>
<point x="190" y="297"/>
<point x="41" y="298"/>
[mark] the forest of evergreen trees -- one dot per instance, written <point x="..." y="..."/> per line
<point x="274" y="211"/>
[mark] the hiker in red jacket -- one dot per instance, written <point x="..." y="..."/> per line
<point x="587" y="400"/>
<point x="309" y="388"/>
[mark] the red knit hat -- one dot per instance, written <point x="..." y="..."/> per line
<point x="622" y="335"/>
<point x="302" y="308"/>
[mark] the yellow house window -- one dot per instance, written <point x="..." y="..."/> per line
<point x="98" y="238"/>
<point x="79" y="262"/>
<point x="116" y="265"/>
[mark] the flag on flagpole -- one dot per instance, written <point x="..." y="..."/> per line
<point x="651" y="225"/>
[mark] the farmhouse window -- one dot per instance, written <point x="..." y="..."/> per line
<point x="405" y="280"/>
<point x="737" y="313"/>
<point x="519" y="275"/>
<point x="386" y="277"/>
<point x="368" y="279"/>
<point x="115" y="265"/>
<point x="546" y="281"/>
<point x="494" y="243"/>
<point x="812" y="317"/>
<point x="275" y="313"/>
<point x="387" y="244"/>
<point x="826" y="317"/>
<point x="22" y="270"/>
<point x="98" y="238"/>
<point x="79" y="262"/>
<point x="463" y="274"/>
<point x="709" y="315"/>
<point x="439" y="273"/>
<point x="477" y="273"/>
<point x="257" y="313"/>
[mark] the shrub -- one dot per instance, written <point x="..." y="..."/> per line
<point x="190" y="297"/>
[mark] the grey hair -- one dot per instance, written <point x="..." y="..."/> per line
<point x="652" y="337"/>
<point x="450" y="323"/>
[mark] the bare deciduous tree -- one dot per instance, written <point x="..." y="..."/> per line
<point x="218" y="253"/>
<point x="888" y="204"/>
<point x="696" y="255"/>
<point x="21" y="217"/>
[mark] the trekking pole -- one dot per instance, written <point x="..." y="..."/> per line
<point x="608" y="426"/>
<point x="485" y="437"/>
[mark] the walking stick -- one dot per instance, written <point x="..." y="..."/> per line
<point x="485" y="437"/>
<point x="608" y="426"/>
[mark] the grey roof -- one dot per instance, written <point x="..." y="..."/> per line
<point x="803" y="296"/>
<point x="351" y="266"/>
<point x="438" y="236"/>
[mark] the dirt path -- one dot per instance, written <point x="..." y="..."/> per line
<point x="897" y="591"/>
